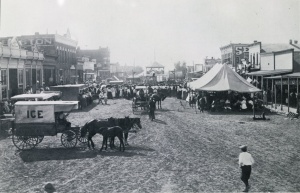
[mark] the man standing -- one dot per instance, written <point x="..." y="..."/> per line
<point x="245" y="162"/>
<point x="152" y="109"/>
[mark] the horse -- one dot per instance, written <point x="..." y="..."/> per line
<point x="158" y="97"/>
<point x="126" y="124"/>
<point x="111" y="132"/>
<point x="92" y="127"/>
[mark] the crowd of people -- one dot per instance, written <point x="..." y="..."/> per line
<point x="220" y="101"/>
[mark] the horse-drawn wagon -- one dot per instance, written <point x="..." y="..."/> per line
<point x="36" y="119"/>
<point x="141" y="100"/>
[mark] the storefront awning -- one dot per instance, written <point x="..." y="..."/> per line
<point x="293" y="75"/>
<point x="273" y="77"/>
<point x="269" y="72"/>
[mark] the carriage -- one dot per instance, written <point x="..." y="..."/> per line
<point x="139" y="101"/>
<point x="36" y="119"/>
<point x="143" y="104"/>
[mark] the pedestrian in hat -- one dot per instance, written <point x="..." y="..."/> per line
<point x="245" y="162"/>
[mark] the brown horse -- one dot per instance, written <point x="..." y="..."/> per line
<point x="92" y="128"/>
<point x="126" y="124"/>
<point x="111" y="132"/>
<point x="158" y="97"/>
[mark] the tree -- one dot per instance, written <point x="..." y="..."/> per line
<point x="181" y="67"/>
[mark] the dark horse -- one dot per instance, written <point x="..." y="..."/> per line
<point x="158" y="97"/>
<point x="126" y="124"/>
<point x="112" y="132"/>
<point x="105" y="128"/>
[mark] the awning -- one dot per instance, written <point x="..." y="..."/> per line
<point x="293" y="75"/>
<point x="269" y="72"/>
<point x="274" y="77"/>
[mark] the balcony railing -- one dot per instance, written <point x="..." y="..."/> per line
<point x="29" y="55"/>
<point x="15" y="53"/>
<point x="5" y="52"/>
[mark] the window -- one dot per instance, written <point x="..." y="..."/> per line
<point x="28" y="76"/>
<point x="38" y="76"/>
<point x="3" y="77"/>
<point x="237" y="60"/>
<point x="20" y="74"/>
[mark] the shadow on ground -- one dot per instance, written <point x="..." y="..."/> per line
<point x="120" y="153"/>
<point x="35" y="155"/>
<point x="160" y="121"/>
<point x="139" y="148"/>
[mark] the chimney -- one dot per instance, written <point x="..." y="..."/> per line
<point x="255" y="41"/>
<point x="295" y="41"/>
<point x="36" y="33"/>
<point x="291" y="41"/>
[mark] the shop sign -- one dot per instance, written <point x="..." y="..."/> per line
<point x="240" y="50"/>
<point x="38" y="41"/>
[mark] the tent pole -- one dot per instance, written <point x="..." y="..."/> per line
<point x="275" y="91"/>
<point x="272" y="97"/>
<point x="288" y="94"/>
<point x="297" y="95"/>
<point x="267" y="90"/>
<point x="281" y="93"/>
<point x="253" y="107"/>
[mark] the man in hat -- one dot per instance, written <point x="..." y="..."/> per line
<point x="245" y="162"/>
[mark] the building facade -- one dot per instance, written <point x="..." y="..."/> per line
<point x="19" y="68"/>
<point x="234" y="54"/>
<point x="59" y="52"/>
<point x="209" y="63"/>
<point x="101" y="57"/>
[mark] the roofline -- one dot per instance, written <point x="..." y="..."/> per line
<point x="234" y="44"/>
<point x="255" y="43"/>
<point x="276" y="52"/>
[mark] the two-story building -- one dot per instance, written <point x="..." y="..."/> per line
<point x="210" y="62"/>
<point x="233" y="54"/>
<point x="18" y="68"/>
<point x="102" y="58"/>
<point x="59" y="52"/>
<point x="279" y="69"/>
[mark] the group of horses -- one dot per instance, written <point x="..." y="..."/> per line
<point x="109" y="129"/>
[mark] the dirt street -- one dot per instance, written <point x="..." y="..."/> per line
<point x="180" y="151"/>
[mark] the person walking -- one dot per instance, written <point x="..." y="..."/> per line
<point x="105" y="97"/>
<point x="152" y="109"/>
<point x="245" y="162"/>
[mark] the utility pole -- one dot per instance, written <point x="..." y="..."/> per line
<point x="174" y="75"/>
<point x="133" y="76"/>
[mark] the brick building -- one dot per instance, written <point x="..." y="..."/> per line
<point x="59" y="52"/>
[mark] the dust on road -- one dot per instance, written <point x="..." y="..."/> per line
<point x="181" y="151"/>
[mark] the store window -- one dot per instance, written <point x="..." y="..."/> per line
<point x="4" y="84"/>
<point x="237" y="61"/>
<point x="21" y="76"/>
<point x="28" y="77"/>
<point x="3" y="77"/>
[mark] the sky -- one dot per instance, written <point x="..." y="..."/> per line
<point x="139" y="32"/>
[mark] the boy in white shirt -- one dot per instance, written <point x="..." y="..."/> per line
<point x="245" y="162"/>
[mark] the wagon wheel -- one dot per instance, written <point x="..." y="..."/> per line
<point x="82" y="139"/>
<point x="68" y="139"/>
<point x="40" y="138"/>
<point x="25" y="142"/>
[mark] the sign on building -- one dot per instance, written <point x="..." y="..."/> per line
<point x="88" y="66"/>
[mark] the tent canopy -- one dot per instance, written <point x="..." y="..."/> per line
<point x="222" y="78"/>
